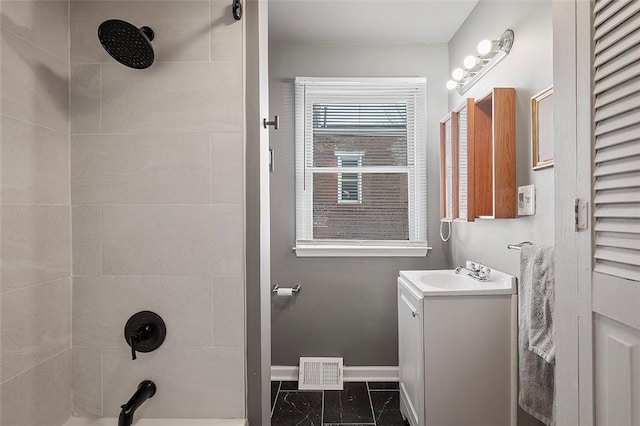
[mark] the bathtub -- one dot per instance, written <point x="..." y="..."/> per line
<point x="81" y="421"/>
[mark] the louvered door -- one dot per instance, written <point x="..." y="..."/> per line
<point x="616" y="212"/>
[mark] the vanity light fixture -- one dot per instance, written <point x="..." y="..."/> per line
<point x="457" y="74"/>
<point x="490" y="52"/>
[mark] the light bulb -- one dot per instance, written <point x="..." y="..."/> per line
<point x="470" y="62"/>
<point x="457" y="74"/>
<point x="484" y="47"/>
<point x="451" y="84"/>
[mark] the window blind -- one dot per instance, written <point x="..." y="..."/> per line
<point x="370" y="136"/>
<point x="617" y="138"/>
<point x="448" y="163"/>
<point x="463" y="169"/>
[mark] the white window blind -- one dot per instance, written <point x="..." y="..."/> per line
<point x="364" y="140"/>
<point x="448" y="164"/>
<point x="617" y="138"/>
<point x="463" y="169"/>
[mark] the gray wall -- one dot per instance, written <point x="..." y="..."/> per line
<point x="35" y="227"/>
<point x="528" y="68"/>
<point x="347" y="306"/>
<point x="158" y="199"/>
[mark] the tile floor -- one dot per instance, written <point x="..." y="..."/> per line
<point x="359" y="404"/>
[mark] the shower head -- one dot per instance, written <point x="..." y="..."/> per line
<point x="126" y="43"/>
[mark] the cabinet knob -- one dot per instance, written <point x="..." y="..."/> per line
<point x="414" y="314"/>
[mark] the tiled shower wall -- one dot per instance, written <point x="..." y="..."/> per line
<point x="157" y="209"/>
<point x="35" y="285"/>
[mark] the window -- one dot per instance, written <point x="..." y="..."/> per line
<point x="375" y="128"/>
<point x="349" y="184"/>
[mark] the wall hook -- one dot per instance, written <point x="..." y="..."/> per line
<point x="237" y="10"/>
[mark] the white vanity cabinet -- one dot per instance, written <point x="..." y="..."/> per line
<point x="457" y="349"/>
<point x="411" y="353"/>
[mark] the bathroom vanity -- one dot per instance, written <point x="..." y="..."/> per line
<point x="457" y="348"/>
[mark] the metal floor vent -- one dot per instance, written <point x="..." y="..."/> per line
<point x="320" y="373"/>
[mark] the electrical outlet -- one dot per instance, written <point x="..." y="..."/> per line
<point x="526" y="200"/>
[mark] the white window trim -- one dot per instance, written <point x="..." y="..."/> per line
<point x="416" y="247"/>
<point x="363" y="249"/>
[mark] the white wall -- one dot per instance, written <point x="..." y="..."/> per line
<point x="347" y="306"/>
<point x="529" y="69"/>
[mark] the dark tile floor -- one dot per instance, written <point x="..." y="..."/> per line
<point x="359" y="404"/>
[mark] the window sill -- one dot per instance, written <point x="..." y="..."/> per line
<point x="308" y="250"/>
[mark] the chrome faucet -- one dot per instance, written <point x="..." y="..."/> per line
<point x="476" y="271"/>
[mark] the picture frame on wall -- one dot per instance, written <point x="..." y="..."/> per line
<point x="542" y="129"/>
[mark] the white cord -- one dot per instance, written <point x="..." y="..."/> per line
<point x="442" y="236"/>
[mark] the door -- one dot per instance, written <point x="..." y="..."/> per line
<point x="596" y="53"/>
<point x="616" y="212"/>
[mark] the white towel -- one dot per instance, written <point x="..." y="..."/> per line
<point x="536" y="349"/>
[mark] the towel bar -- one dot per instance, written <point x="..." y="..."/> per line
<point x="519" y="245"/>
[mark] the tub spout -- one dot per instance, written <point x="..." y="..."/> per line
<point x="146" y="390"/>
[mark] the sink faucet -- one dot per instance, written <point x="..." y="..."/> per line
<point x="476" y="271"/>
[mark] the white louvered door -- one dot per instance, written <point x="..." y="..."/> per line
<point x="616" y="213"/>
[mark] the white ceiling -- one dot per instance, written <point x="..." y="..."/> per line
<point x="306" y="22"/>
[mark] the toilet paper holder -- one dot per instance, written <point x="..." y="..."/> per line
<point x="294" y="290"/>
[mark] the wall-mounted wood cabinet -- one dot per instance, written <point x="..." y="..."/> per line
<point x="495" y="154"/>
<point x="477" y="159"/>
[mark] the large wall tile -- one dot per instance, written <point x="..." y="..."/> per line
<point x="35" y="85"/>
<point x="228" y="311"/>
<point x="141" y="169"/>
<point x="173" y="98"/>
<point x="35" y="164"/>
<point x="40" y="396"/>
<point x="85" y="98"/>
<point x="102" y="306"/>
<point x="86" y="240"/>
<point x="192" y="383"/>
<point x="228" y="240"/>
<point x="181" y="28"/>
<point x="172" y="240"/>
<point x="35" y="244"/>
<point x="227" y="171"/>
<point x="87" y="382"/>
<point x="226" y="33"/>
<point x="36" y="324"/>
<point x="43" y="23"/>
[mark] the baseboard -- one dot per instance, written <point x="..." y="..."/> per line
<point x="351" y="374"/>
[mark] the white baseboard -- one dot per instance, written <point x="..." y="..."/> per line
<point x="351" y="374"/>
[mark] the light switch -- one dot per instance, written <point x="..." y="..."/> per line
<point x="526" y="200"/>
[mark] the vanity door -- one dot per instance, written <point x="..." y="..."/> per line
<point x="410" y="353"/>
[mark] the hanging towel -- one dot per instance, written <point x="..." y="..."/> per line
<point x="541" y="329"/>
<point x="536" y="347"/>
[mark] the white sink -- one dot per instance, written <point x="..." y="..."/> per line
<point x="446" y="283"/>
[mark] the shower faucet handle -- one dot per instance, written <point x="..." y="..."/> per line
<point x="140" y="335"/>
<point x="144" y="332"/>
